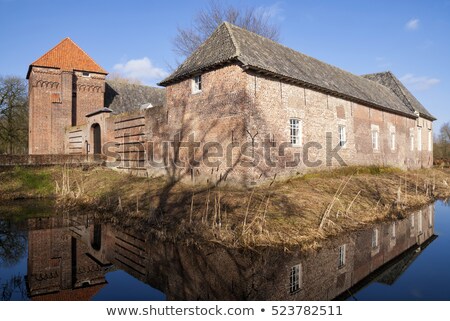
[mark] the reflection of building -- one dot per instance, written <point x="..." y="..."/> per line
<point x="381" y="254"/>
<point x="60" y="264"/>
<point x="68" y="258"/>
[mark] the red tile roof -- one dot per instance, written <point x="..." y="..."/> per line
<point x="68" y="56"/>
<point x="80" y="294"/>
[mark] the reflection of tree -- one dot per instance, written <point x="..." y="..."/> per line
<point x="12" y="244"/>
<point x="15" y="284"/>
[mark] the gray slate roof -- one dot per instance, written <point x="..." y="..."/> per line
<point x="393" y="83"/>
<point x="231" y="44"/>
<point x="124" y="97"/>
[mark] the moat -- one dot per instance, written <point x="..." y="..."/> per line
<point x="49" y="256"/>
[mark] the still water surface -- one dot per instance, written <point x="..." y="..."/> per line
<point x="46" y="256"/>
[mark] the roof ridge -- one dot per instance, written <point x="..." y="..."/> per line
<point x="390" y="74"/>
<point x="68" y="38"/>
<point x="67" y="41"/>
<point x="233" y="39"/>
<point x="34" y="62"/>
<point x="199" y="47"/>
<point x="401" y="90"/>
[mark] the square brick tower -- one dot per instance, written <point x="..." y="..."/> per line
<point x="65" y="84"/>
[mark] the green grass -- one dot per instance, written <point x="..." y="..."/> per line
<point x="27" y="182"/>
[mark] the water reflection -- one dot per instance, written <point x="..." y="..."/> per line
<point x="70" y="257"/>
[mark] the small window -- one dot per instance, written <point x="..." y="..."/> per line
<point x="86" y="74"/>
<point x="430" y="219"/>
<point x="393" y="231"/>
<point x="375" y="144"/>
<point x="295" y="279"/>
<point x="412" y="219"/>
<point x="295" y="127"/>
<point x="419" y="138"/>
<point x="411" y="142"/>
<point x="342" y="249"/>
<point x="430" y="140"/>
<point x="375" y="238"/>
<point x="197" y="84"/>
<point x="342" y="135"/>
<point x="392" y="140"/>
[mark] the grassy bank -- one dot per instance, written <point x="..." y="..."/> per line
<point x="27" y="182"/>
<point x="301" y="210"/>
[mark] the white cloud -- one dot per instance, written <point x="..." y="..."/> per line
<point x="141" y="69"/>
<point x="412" y="24"/>
<point x="273" y="12"/>
<point x="419" y="82"/>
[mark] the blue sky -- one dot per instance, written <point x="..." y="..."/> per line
<point x="410" y="38"/>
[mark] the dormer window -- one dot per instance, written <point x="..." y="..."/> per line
<point x="86" y="74"/>
<point x="197" y="84"/>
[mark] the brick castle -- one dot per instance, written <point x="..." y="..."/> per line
<point x="261" y="108"/>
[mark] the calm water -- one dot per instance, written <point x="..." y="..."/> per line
<point x="46" y="256"/>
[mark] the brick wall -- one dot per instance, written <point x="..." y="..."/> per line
<point x="275" y="102"/>
<point x="51" y="94"/>
<point x="244" y="108"/>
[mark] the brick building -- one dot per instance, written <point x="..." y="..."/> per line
<point x="65" y="85"/>
<point x="263" y="108"/>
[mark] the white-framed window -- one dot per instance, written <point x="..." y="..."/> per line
<point x="411" y="142"/>
<point x="392" y="139"/>
<point x="430" y="219"/>
<point x="375" y="139"/>
<point x="342" y="135"/>
<point x="393" y="230"/>
<point x="430" y="140"/>
<point x="419" y="138"/>
<point x="342" y="250"/>
<point x="295" y="129"/>
<point x="412" y="219"/>
<point x="295" y="278"/>
<point x="375" y="235"/>
<point x="419" y="222"/>
<point x="85" y="74"/>
<point x="197" y="84"/>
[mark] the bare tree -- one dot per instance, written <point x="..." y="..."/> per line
<point x="13" y="115"/>
<point x="442" y="143"/>
<point x="254" y="19"/>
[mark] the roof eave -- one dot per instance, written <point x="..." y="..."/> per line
<point x="429" y="117"/>
<point x="172" y="80"/>
<point x="104" y="72"/>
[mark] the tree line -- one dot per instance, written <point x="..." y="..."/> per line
<point x="13" y="115"/>
<point x="442" y="145"/>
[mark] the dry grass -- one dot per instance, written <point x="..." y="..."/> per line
<point x="297" y="211"/>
